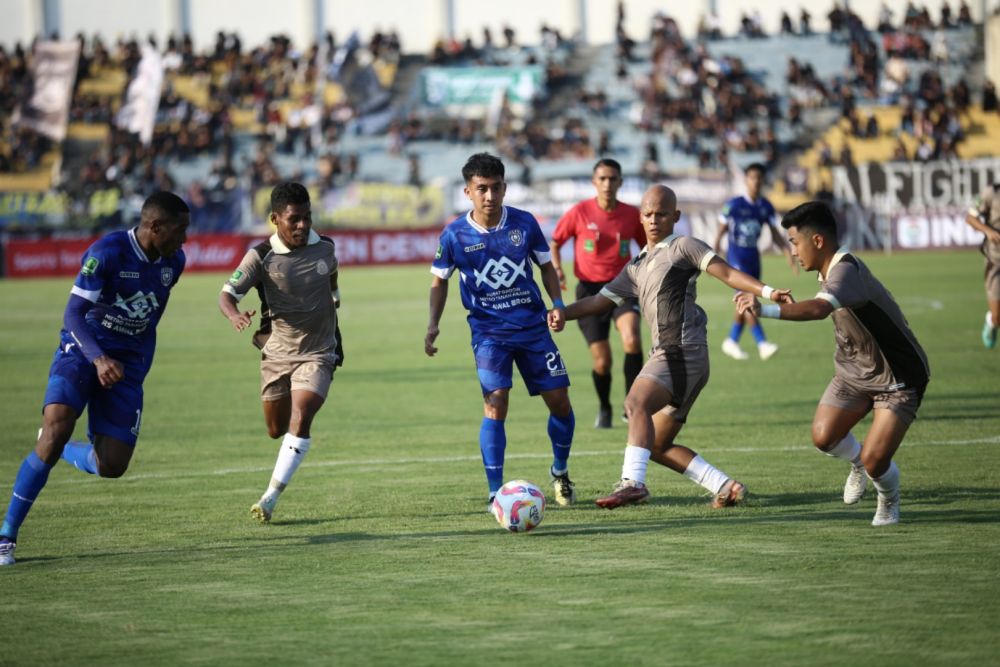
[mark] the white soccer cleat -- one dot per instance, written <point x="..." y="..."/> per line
<point x="262" y="510"/>
<point x="732" y="349"/>
<point x="6" y="551"/>
<point x="856" y="485"/>
<point x="766" y="350"/>
<point x="887" y="513"/>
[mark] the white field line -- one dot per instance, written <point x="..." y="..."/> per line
<point x="430" y="460"/>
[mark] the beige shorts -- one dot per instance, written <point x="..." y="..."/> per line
<point x="992" y="281"/>
<point x="683" y="371"/>
<point x="278" y="378"/>
<point x="903" y="403"/>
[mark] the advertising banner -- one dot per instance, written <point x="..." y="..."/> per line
<point x="472" y="90"/>
<point x="35" y="258"/>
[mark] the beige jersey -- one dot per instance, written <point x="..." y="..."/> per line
<point x="662" y="278"/>
<point x="987" y="209"/>
<point x="298" y="315"/>
<point x="876" y="350"/>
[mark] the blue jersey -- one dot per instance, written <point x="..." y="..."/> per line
<point x="746" y="219"/>
<point x="497" y="283"/>
<point x="129" y="294"/>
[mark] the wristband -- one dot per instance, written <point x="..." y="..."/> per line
<point x="558" y="303"/>
<point x="771" y="310"/>
<point x="766" y="291"/>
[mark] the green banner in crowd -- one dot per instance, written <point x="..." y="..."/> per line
<point x="474" y="86"/>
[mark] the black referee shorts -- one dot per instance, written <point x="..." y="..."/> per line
<point x="596" y="328"/>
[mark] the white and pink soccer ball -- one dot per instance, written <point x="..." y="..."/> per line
<point x="519" y="506"/>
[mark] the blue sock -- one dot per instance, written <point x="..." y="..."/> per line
<point x="736" y="331"/>
<point x="81" y="456"/>
<point x="758" y="333"/>
<point x="561" y="435"/>
<point x="492" y="443"/>
<point x="27" y="485"/>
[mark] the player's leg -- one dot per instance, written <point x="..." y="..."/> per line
<point x="58" y="421"/>
<point x="646" y="399"/>
<point x="544" y="373"/>
<point x="893" y="414"/>
<point x="881" y="443"/>
<point x="308" y="385"/>
<point x="600" y="355"/>
<point x="992" y="278"/>
<point x="561" y="426"/>
<point x="71" y="380"/>
<point x="628" y="323"/>
<point x="731" y="344"/>
<point x="495" y="368"/>
<point x="839" y="409"/>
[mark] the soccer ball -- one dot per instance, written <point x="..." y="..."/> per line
<point x="519" y="506"/>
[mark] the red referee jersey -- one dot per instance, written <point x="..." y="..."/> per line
<point x="603" y="239"/>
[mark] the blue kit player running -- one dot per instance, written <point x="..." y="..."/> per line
<point x="492" y="247"/>
<point x="105" y="350"/>
<point x="741" y="221"/>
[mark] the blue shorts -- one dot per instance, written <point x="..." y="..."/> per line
<point x="746" y="261"/>
<point x="538" y="361"/>
<point x="115" y="412"/>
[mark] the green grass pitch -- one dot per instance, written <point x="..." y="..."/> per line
<point x="381" y="552"/>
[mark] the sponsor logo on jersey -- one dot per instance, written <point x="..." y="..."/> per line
<point x="166" y="276"/>
<point x="90" y="266"/>
<point x="474" y="248"/>
<point x="516" y="237"/>
<point x="128" y="274"/>
<point x="502" y="273"/>
<point x="138" y="306"/>
<point x="235" y="278"/>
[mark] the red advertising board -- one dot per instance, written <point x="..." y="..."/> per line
<point x="222" y="252"/>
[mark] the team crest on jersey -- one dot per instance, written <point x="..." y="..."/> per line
<point x="166" y="276"/>
<point x="322" y="268"/>
<point x="90" y="266"/>
<point x="516" y="237"/>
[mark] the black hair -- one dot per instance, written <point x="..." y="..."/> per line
<point x="483" y="165"/>
<point x="756" y="166"/>
<point x="163" y="204"/>
<point x="607" y="162"/>
<point x="813" y="215"/>
<point x="288" y="193"/>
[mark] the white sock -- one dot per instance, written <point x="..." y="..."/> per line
<point x="989" y="319"/>
<point x="636" y="462"/>
<point x="704" y="473"/>
<point x="848" y="449"/>
<point x="888" y="484"/>
<point x="293" y="450"/>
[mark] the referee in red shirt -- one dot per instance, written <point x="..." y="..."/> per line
<point x="604" y="229"/>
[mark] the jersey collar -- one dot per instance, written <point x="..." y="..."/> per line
<point x="136" y="248"/>
<point x="662" y="244"/>
<point x="279" y="247"/>
<point x="841" y="251"/>
<point x="483" y="230"/>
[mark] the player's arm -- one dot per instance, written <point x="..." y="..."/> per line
<point x="803" y="311"/>
<point x="552" y="286"/>
<point x="554" y="247"/>
<point x="977" y="220"/>
<point x="109" y="371"/>
<point x="334" y="288"/>
<point x="719" y="233"/>
<point x="592" y="305"/>
<point x="719" y="268"/>
<point x="229" y="305"/>
<point x="438" y="299"/>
